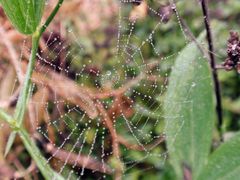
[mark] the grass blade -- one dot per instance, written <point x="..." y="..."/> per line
<point x="41" y="162"/>
<point x="10" y="142"/>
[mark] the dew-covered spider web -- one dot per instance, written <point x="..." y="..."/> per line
<point x="99" y="82"/>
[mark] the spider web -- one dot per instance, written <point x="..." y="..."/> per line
<point x="82" y="103"/>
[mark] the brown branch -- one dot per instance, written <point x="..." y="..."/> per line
<point x="67" y="89"/>
<point x="137" y="147"/>
<point x="79" y="160"/>
<point x="115" y="144"/>
<point x="119" y="91"/>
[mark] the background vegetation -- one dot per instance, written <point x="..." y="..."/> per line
<point x="88" y="80"/>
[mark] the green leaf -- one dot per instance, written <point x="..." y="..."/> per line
<point x="189" y="111"/>
<point x="224" y="163"/>
<point x="25" y="15"/>
<point x="41" y="162"/>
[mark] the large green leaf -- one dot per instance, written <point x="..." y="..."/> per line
<point x="224" y="163"/>
<point x="25" y="15"/>
<point x="189" y="111"/>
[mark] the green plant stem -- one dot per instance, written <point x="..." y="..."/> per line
<point x="17" y="121"/>
<point x="26" y="91"/>
<point x="5" y="117"/>
<point x="50" y="18"/>
<point x="217" y="88"/>
<point x="31" y="147"/>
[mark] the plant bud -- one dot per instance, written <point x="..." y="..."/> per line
<point x="25" y="15"/>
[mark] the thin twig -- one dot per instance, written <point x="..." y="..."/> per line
<point x="14" y="58"/>
<point x="188" y="31"/>
<point x="11" y="100"/>
<point x="137" y="147"/>
<point x="22" y="172"/>
<point x="212" y="63"/>
<point x="115" y="144"/>
<point x="71" y="158"/>
<point x="116" y="92"/>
